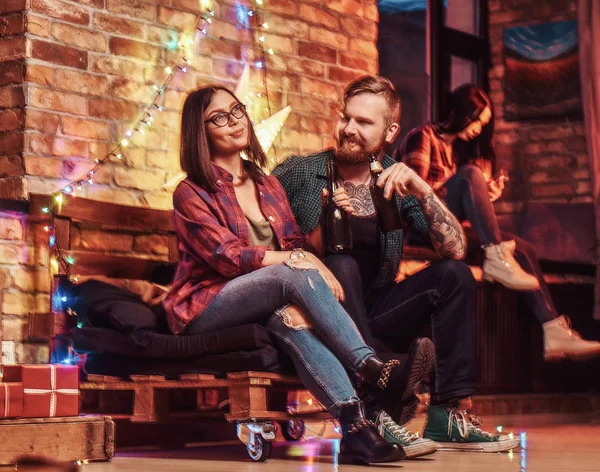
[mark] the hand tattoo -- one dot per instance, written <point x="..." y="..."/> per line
<point x="446" y="233"/>
<point x="360" y="197"/>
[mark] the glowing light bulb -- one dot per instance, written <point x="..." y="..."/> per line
<point x="261" y="39"/>
<point x="259" y="64"/>
<point x="270" y="51"/>
<point x="124" y="142"/>
<point x="54" y="265"/>
<point x="58" y="198"/>
<point x="265" y="25"/>
<point x="168" y="70"/>
<point x="119" y="156"/>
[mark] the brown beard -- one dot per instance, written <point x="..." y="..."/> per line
<point x="359" y="155"/>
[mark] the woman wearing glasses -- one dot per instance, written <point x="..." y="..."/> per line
<point x="242" y="262"/>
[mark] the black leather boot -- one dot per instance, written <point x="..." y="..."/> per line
<point x="393" y="383"/>
<point x="361" y="443"/>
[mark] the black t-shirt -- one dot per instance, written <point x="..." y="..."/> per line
<point x="365" y="247"/>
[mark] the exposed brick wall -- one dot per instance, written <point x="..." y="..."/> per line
<point x="75" y="75"/>
<point x="92" y="63"/>
<point x="12" y="97"/>
<point x="547" y="161"/>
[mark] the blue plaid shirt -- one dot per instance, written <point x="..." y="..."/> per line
<point x="304" y="177"/>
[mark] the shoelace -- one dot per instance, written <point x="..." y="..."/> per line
<point x="506" y="257"/>
<point x="399" y="432"/>
<point x="566" y="323"/>
<point x="354" y="428"/>
<point x="463" y="424"/>
<point x="474" y="419"/>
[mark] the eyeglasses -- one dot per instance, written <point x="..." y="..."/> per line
<point x="221" y="119"/>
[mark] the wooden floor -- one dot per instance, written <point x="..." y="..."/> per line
<point x="558" y="448"/>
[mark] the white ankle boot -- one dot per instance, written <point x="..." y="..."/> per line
<point x="561" y="342"/>
<point x="500" y="266"/>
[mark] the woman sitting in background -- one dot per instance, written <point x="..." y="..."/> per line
<point x="242" y="262"/>
<point x="456" y="157"/>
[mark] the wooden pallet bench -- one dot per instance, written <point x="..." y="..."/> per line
<point x="242" y="396"/>
<point x="257" y="402"/>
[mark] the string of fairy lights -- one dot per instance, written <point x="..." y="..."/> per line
<point x="146" y="117"/>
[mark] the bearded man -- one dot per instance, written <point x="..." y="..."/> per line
<point x="442" y="295"/>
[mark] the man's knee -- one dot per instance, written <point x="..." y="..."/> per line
<point x="457" y="273"/>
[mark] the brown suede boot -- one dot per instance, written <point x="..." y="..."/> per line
<point x="500" y="266"/>
<point x="562" y="342"/>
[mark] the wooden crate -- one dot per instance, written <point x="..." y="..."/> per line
<point x="89" y="438"/>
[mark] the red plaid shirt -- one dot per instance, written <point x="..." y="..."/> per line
<point x="214" y="241"/>
<point x="424" y="151"/>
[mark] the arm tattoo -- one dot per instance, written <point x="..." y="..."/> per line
<point x="446" y="233"/>
<point x="360" y="197"/>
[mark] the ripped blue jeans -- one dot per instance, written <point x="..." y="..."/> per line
<point x="321" y="353"/>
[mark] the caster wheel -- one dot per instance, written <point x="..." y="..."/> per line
<point x="293" y="430"/>
<point x="261" y="450"/>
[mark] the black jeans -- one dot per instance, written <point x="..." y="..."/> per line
<point x="441" y="296"/>
<point x="468" y="199"/>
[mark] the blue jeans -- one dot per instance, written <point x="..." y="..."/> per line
<point x="467" y="197"/>
<point x="322" y="353"/>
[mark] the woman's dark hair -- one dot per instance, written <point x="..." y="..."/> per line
<point x="465" y="105"/>
<point x="195" y="149"/>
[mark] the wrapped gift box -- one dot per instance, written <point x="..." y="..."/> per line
<point x="11" y="399"/>
<point x="48" y="390"/>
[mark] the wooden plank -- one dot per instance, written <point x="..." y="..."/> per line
<point x="261" y="375"/>
<point x="123" y="267"/>
<point x="167" y="384"/>
<point x="64" y="439"/>
<point x="173" y="249"/>
<point x="122" y="216"/>
<point x="196" y="377"/>
<point x="103" y="378"/>
<point x="62" y="231"/>
<point x="249" y="414"/>
<point x="147" y="378"/>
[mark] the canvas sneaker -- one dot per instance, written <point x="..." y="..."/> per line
<point x="453" y="430"/>
<point x="392" y="432"/>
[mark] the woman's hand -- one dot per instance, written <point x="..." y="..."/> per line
<point x="495" y="189"/>
<point x="330" y="280"/>
<point x="340" y="198"/>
